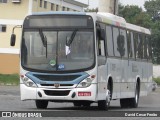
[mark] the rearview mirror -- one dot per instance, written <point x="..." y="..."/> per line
<point x="13" y="40"/>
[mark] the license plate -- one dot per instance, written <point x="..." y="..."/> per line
<point x="84" y="93"/>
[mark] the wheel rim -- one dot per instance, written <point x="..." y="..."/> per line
<point x="136" y="96"/>
<point x="108" y="99"/>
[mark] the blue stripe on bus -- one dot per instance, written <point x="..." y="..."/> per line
<point x="36" y="80"/>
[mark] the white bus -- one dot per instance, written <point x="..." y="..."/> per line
<point x="83" y="58"/>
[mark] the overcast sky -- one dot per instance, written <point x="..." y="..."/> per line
<point x="94" y="3"/>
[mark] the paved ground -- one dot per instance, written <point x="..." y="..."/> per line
<point x="10" y="101"/>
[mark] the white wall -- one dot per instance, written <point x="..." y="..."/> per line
<point x="156" y="71"/>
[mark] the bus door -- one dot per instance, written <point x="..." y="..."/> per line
<point x="101" y="57"/>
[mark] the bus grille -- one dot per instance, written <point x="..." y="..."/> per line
<point x="60" y="85"/>
<point x="57" y="77"/>
<point x="57" y="93"/>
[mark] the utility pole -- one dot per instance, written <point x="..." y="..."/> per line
<point x="110" y="6"/>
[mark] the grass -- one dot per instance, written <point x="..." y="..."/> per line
<point x="157" y="80"/>
<point x="6" y="79"/>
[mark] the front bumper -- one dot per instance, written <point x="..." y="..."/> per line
<point x="29" y="93"/>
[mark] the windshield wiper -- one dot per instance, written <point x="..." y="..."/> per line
<point x="69" y="42"/>
<point x="44" y="40"/>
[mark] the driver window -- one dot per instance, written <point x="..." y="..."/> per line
<point x="100" y="43"/>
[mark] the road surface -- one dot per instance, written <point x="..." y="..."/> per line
<point x="10" y="101"/>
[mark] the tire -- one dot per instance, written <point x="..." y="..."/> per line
<point x="86" y="104"/>
<point x="125" y="103"/>
<point x="41" y="104"/>
<point x="103" y="105"/>
<point x="134" y="101"/>
<point x="131" y="102"/>
<point x="77" y="104"/>
<point x="109" y="87"/>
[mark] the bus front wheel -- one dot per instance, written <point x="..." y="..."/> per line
<point x="103" y="105"/>
<point x="41" y="104"/>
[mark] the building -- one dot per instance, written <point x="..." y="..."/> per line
<point x="12" y="13"/>
<point x="110" y="6"/>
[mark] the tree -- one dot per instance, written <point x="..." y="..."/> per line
<point x="130" y="13"/>
<point x="152" y="9"/>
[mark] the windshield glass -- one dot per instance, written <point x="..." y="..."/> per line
<point x="55" y="55"/>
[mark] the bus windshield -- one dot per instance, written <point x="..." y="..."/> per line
<point x="53" y="54"/>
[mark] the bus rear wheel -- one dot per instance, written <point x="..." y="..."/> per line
<point x="134" y="101"/>
<point x="41" y="104"/>
<point x="131" y="102"/>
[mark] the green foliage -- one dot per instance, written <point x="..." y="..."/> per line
<point x="152" y="7"/>
<point x="157" y="80"/>
<point x="130" y="13"/>
<point x="9" y="79"/>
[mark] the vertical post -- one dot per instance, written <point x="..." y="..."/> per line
<point x="110" y="6"/>
<point x="0" y="28"/>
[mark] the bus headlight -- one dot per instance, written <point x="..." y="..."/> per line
<point x="28" y="82"/>
<point x="85" y="83"/>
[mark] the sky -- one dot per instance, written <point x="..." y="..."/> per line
<point x="94" y="3"/>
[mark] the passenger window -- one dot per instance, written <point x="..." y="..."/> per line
<point x="130" y="44"/>
<point x="149" y="48"/>
<point x="135" y="38"/>
<point x="123" y="43"/>
<point x="145" y="48"/>
<point x="140" y="46"/>
<point x="101" y="43"/>
<point x="118" y="46"/>
<point x="109" y="41"/>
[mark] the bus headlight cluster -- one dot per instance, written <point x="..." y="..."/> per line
<point x="85" y="83"/>
<point x="28" y="82"/>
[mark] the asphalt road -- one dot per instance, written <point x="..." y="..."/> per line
<point x="10" y="101"/>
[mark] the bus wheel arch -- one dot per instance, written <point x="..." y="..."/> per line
<point x="104" y="104"/>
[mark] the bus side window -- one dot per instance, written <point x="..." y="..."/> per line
<point x="145" y="48"/>
<point x="100" y="41"/>
<point x="135" y="38"/>
<point x="149" y="48"/>
<point x="118" y="47"/>
<point x="123" y="43"/>
<point x="109" y="41"/>
<point x="130" y="44"/>
<point x="140" y="46"/>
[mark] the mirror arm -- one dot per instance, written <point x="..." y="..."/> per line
<point x="17" y="26"/>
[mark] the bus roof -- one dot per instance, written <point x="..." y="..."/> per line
<point x="119" y="22"/>
<point x="59" y="13"/>
<point x="137" y="28"/>
<point x="101" y="17"/>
